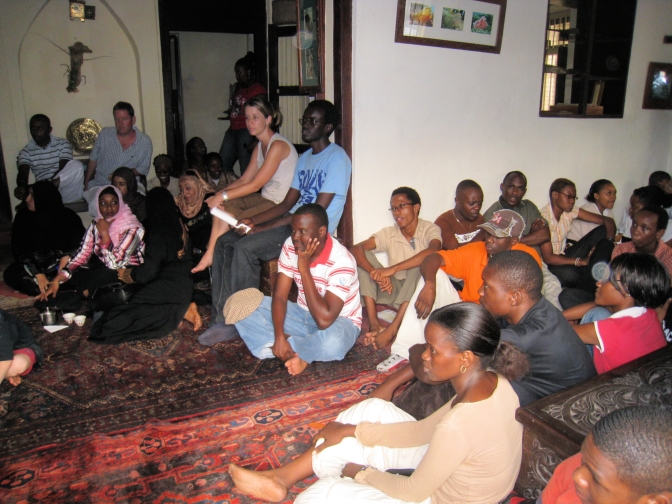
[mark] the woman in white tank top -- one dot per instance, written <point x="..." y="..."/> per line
<point x="271" y="169"/>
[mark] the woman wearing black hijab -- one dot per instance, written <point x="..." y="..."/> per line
<point x="124" y="179"/>
<point x="43" y="231"/>
<point x="164" y="280"/>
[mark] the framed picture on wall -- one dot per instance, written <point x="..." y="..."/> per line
<point x="472" y="25"/>
<point x="309" y="38"/>
<point x="658" y="92"/>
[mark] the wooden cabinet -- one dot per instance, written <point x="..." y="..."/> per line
<point x="555" y="426"/>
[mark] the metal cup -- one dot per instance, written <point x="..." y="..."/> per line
<point x="48" y="317"/>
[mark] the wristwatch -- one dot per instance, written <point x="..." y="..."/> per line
<point x="357" y="476"/>
<point x="225" y="196"/>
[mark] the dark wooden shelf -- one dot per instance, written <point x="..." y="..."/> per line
<point x="545" y="113"/>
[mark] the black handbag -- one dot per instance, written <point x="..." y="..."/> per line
<point x="44" y="261"/>
<point x="108" y="296"/>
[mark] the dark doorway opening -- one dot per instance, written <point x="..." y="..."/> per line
<point x="249" y="16"/>
<point x="232" y="16"/>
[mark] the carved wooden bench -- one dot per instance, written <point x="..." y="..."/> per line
<point x="555" y="426"/>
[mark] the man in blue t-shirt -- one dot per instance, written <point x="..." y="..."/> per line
<point x="322" y="176"/>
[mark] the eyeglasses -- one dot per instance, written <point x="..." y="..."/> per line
<point x="569" y="197"/>
<point x="310" y="121"/>
<point x="399" y="207"/>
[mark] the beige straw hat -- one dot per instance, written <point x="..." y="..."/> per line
<point x="241" y="304"/>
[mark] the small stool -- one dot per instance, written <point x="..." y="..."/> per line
<point x="269" y="277"/>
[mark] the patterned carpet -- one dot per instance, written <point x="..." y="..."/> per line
<point x="159" y="421"/>
<point x="85" y="388"/>
<point x="180" y="462"/>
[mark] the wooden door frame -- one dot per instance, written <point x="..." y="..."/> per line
<point x="343" y="100"/>
<point x="5" y="199"/>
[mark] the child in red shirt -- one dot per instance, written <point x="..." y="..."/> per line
<point x="638" y="284"/>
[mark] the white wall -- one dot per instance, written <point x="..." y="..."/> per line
<point x="422" y="116"/>
<point x="41" y="62"/>
<point x="429" y="117"/>
<point x="207" y="62"/>
<point x="31" y="78"/>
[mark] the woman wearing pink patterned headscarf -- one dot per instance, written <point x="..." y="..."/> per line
<point x="114" y="237"/>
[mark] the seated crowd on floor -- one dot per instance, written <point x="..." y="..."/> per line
<point x="490" y="311"/>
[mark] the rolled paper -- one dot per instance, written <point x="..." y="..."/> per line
<point x="229" y="219"/>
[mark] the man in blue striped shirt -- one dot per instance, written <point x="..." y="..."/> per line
<point x="45" y="155"/>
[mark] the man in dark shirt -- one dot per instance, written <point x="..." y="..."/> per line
<point x="511" y="292"/>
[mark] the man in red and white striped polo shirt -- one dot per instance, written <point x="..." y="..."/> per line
<point x="326" y="319"/>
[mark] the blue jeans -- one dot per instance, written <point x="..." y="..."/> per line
<point x="234" y="147"/>
<point x="595" y="315"/>
<point x="311" y="343"/>
<point x="236" y="264"/>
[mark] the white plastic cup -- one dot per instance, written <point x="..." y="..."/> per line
<point x="80" y="319"/>
<point x="69" y="318"/>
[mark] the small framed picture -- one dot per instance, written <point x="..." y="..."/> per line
<point x="472" y="25"/>
<point x="309" y="35"/>
<point x="658" y="89"/>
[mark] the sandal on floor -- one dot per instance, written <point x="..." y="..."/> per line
<point x="391" y="362"/>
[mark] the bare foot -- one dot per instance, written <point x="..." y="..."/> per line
<point x="370" y="335"/>
<point x="205" y="262"/>
<point x="384" y="338"/>
<point x="193" y="316"/>
<point x="257" y="484"/>
<point x="14" y="380"/>
<point x="295" y="365"/>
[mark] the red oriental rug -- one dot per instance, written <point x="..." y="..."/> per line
<point x="184" y="461"/>
<point x="85" y="388"/>
<point x="159" y="421"/>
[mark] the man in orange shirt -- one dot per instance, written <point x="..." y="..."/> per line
<point x="465" y="263"/>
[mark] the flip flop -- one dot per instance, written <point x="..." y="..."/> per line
<point x="391" y="362"/>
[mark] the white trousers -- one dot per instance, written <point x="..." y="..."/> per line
<point x="71" y="185"/>
<point x="412" y="329"/>
<point x="328" y="464"/>
<point x="551" y="288"/>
